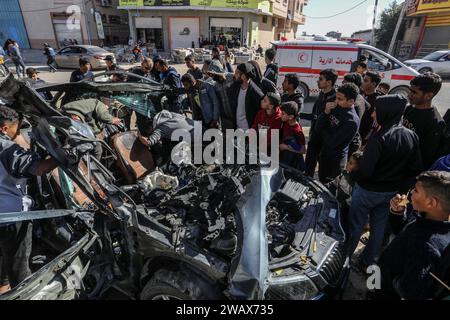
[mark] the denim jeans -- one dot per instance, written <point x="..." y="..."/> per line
<point x="372" y="206"/>
<point x="20" y="68"/>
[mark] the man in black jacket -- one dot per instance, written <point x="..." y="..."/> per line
<point x="370" y="93"/>
<point x="326" y="82"/>
<point x="290" y="86"/>
<point x="171" y="78"/>
<point x="390" y="161"/>
<point x="424" y="119"/>
<point x="271" y="72"/>
<point x="423" y="237"/>
<point x="193" y="70"/>
<point x="338" y="126"/>
<point x="244" y="96"/>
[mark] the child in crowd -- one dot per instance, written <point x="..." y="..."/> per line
<point x="421" y="247"/>
<point x="361" y="68"/>
<point x="293" y="143"/>
<point x="269" y="117"/>
<point x="342" y="186"/>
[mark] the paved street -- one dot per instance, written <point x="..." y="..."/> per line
<point x="63" y="75"/>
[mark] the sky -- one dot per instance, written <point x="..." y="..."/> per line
<point x="357" y="19"/>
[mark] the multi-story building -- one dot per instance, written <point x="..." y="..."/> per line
<point x="34" y="22"/>
<point x="427" y="27"/>
<point x="170" y="24"/>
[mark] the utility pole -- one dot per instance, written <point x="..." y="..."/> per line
<point x="86" y="18"/>
<point x="372" y="42"/>
<point x="397" y="27"/>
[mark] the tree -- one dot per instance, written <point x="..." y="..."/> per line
<point x="388" y="21"/>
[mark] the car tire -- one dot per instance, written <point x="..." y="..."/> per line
<point x="401" y="90"/>
<point x="181" y="284"/>
<point x="303" y="88"/>
<point x="423" y="70"/>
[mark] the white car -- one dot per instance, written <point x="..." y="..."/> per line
<point x="68" y="57"/>
<point x="438" y="62"/>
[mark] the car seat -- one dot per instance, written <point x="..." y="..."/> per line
<point x="133" y="158"/>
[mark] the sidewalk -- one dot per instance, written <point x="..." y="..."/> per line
<point x="33" y="56"/>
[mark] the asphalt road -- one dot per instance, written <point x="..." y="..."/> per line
<point x="442" y="100"/>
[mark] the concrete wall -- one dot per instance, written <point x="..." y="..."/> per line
<point x="266" y="32"/>
<point x="39" y="22"/>
<point x="265" y="29"/>
<point x="413" y="32"/>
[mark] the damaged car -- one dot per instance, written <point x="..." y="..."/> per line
<point x="126" y="226"/>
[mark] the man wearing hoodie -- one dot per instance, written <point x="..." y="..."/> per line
<point x="337" y="127"/>
<point x="170" y="77"/>
<point x="290" y="85"/>
<point x="244" y="96"/>
<point x="389" y="164"/>
<point x="263" y="83"/>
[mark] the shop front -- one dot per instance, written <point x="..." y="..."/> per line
<point x="150" y="30"/>
<point x="227" y="29"/>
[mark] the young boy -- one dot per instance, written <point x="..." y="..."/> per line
<point x="342" y="186"/>
<point x="338" y="125"/>
<point x="293" y="143"/>
<point x="361" y="68"/>
<point x="417" y="251"/>
<point x="269" y="117"/>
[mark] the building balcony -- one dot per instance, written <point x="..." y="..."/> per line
<point x="280" y="8"/>
<point x="299" y="18"/>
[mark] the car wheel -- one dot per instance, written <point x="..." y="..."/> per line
<point x="401" y="90"/>
<point x="303" y="88"/>
<point x="181" y="284"/>
<point x="424" y="70"/>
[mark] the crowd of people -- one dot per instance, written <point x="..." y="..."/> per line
<point x="385" y="157"/>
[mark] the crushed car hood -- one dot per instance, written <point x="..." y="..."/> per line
<point x="249" y="277"/>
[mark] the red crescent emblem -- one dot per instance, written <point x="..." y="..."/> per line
<point x="302" y="57"/>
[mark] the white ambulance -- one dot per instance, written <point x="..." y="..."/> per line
<point x="308" y="58"/>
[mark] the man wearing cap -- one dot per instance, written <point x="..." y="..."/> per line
<point x="244" y="96"/>
<point x="50" y="53"/>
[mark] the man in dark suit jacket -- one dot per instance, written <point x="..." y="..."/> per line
<point x="244" y="96"/>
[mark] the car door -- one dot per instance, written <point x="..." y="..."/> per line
<point x="62" y="277"/>
<point x="74" y="57"/>
<point x="62" y="57"/>
<point x="442" y="65"/>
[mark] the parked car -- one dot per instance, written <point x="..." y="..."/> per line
<point x="438" y="62"/>
<point x="201" y="232"/>
<point x="68" y="57"/>
<point x="308" y="58"/>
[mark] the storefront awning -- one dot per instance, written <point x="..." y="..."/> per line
<point x="426" y="7"/>
<point x="148" y="23"/>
